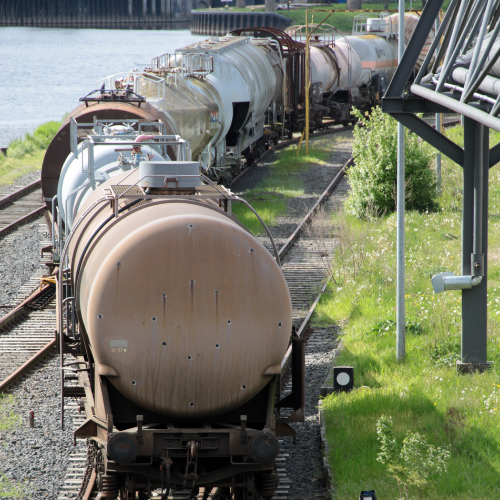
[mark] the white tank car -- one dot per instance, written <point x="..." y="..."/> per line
<point x="352" y="62"/>
<point x="238" y="78"/>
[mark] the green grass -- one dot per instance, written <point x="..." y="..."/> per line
<point x="9" y="420"/>
<point x="423" y="393"/>
<point x="270" y="198"/>
<point x="9" y="489"/>
<point x="26" y="155"/>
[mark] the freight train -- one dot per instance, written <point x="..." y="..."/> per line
<point x="232" y="96"/>
<point x="177" y="316"/>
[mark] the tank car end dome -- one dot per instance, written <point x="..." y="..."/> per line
<point x="189" y="310"/>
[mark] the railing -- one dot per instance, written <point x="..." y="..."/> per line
<point x="360" y="27"/>
<point x="188" y="64"/>
<point x="326" y="34"/>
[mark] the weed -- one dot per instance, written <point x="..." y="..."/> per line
<point x="8" y="417"/>
<point x="373" y="177"/>
<point x="413" y="466"/>
<point x="9" y="489"/>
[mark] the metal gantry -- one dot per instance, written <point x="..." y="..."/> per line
<point x="460" y="74"/>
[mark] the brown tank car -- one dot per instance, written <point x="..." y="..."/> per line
<point x="178" y="316"/>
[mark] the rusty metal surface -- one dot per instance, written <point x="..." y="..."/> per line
<point x="315" y="207"/>
<point x="59" y="148"/>
<point x="23" y="307"/>
<point x="25" y="218"/>
<point x="19" y="371"/>
<point x="20" y="193"/>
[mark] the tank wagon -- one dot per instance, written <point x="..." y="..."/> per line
<point x="232" y="96"/>
<point x="178" y="317"/>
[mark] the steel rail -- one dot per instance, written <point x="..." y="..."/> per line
<point x="27" y="364"/>
<point x="288" y="244"/>
<point x="25" y="218"/>
<point x="20" y="193"/>
<point x="22" y="308"/>
<point x="8" y="202"/>
<point x="11" y="318"/>
<point x="326" y="193"/>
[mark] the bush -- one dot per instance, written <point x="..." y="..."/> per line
<point x="373" y="177"/>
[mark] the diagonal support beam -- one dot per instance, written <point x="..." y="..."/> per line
<point x="412" y="53"/>
<point x="432" y="136"/>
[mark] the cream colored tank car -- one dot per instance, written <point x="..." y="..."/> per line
<point x="187" y="313"/>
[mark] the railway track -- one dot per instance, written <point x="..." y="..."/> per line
<point x="21" y="206"/>
<point x="304" y="269"/>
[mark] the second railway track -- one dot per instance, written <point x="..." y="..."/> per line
<point x="21" y="206"/>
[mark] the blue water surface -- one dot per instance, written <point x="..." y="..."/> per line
<point x="46" y="70"/>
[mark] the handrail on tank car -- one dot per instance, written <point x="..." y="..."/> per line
<point x="227" y="195"/>
<point x="60" y="299"/>
<point x="275" y="250"/>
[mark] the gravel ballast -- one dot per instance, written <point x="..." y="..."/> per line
<point x="34" y="460"/>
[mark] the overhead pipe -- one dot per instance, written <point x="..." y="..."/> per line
<point x="456" y="106"/>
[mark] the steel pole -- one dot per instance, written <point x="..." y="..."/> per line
<point x="439" y="122"/>
<point x="400" y="277"/>
<point x="439" y="127"/>
<point x="475" y="244"/>
<point x="307" y="83"/>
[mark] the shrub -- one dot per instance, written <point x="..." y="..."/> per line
<point x="373" y="177"/>
<point x="418" y="462"/>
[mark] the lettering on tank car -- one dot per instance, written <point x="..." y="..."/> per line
<point x="380" y="53"/>
<point x="118" y="345"/>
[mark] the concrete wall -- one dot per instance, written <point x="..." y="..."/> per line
<point x="219" y="23"/>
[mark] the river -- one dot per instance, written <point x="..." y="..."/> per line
<point x="46" y="70"/>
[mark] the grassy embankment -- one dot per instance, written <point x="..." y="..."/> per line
<point x="423" y="393"/>
<point x="341" y="20"/>
<point x="26" y="155"/>
<point x="270" y="198"/>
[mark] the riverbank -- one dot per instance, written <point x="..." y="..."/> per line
<point x="423" y="393"/>
<point x="24" y="156"/>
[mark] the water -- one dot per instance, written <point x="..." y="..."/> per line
<point x="46" y="70"/>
